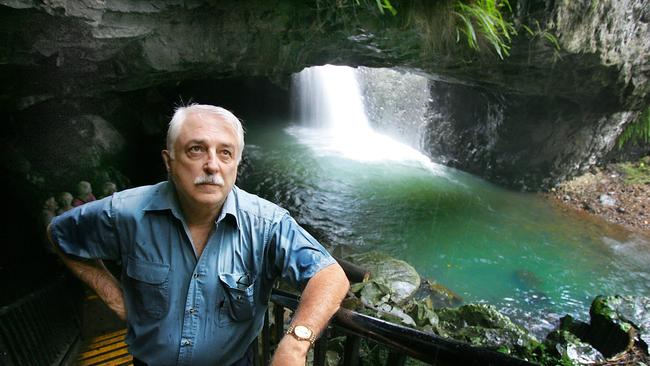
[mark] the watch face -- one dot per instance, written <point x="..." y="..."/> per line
<point x="302" y="331"/>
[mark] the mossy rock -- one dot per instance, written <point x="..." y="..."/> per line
<point x="423" y="314"/>
<point x="617" y="321"/>
<point x="482" y="325"/>
<point x="400" y="277"/>
<point x="576" y="327"/>
<point x="565" y="345"/>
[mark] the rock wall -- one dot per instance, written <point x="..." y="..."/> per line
<point x="521" y="141"/>
<point x="615" y="30"/>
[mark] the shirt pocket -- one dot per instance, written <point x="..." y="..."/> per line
<point x="239" y="304"/>
<point x="150" y="284"/>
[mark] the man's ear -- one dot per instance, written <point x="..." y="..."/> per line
<point x="167" y="159"/>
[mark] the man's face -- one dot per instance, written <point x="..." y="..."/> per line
<point x="204" y="166"/>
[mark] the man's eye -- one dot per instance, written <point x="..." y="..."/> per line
<point x="227" y="153"/>
<point x="196" y="149"/>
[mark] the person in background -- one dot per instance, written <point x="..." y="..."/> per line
<point x="200" y="255"/>
<point x="64" y="199"/>
<point x="108" y="188"/>
<point x="84" y="194"/>
<point x="49" y="210"/>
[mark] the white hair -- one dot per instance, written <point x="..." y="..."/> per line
<point x="181" y="113"/>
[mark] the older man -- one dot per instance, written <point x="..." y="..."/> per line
<point x="200" y="255"/>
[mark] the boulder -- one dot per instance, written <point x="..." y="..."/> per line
<point x="482" y="325"/>
<point x="617" y="322"/>
<point x="565" y="345"/>
<point x="616" y="335"/>
<point x="400" y="279"/>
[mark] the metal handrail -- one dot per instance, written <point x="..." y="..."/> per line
<point x="39" y="328"/>
<point x="423" y="346"/>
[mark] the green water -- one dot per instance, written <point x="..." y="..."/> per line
<point x="517" y="251"/>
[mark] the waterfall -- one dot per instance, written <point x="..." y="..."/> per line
<point x="398" y="103"/>
<point x="330" y="96"/>
<point x="333" y="120"/>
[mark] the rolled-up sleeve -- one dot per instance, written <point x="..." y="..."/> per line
<point x="298" y="256"/>
<point x="87" y="231"/>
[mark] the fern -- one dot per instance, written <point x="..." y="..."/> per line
<point x="480" y="21"/>
<point x="485" y="18"/>
<point x="385" y="4"/>
<point x="636" y="132"/>
<point x="543" y="33"/>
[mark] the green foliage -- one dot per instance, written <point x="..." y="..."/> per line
<point x="478" y="22"/>
<point x="385" y="4"/>
<point x="636" y="173"/>
<point x="636" y="132"/>
<point x="485" y="19"/>
<point x="539" y="32"/>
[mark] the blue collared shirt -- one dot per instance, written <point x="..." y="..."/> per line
<point x="184" y="310"/>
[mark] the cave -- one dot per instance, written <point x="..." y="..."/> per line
<point x="89" y="89"/>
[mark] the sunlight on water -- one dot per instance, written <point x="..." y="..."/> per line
<point x="367" y="147"/>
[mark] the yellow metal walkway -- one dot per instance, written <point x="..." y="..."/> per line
<point x="108" y="349"/>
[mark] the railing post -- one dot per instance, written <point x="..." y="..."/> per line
<point x="266" y="340"/>
<point x="278" y="317"/>
<point x="351" y="350"/>
<point x="256" y="351"/>
<point x="320" y="349"/>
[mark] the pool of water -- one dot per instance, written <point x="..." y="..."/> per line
<point x="532" y="260"/>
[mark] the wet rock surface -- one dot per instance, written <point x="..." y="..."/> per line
<point x="400" y="279"/>
<point x="616" y="334"/>
<point x="618" y="322"/>
<point x="481" y="325"/>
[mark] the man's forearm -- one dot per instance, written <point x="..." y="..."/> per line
<point x="97" y="277"/>
<point x="319" y="301"/>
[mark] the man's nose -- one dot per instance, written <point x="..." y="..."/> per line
<point x="212" y="163"/>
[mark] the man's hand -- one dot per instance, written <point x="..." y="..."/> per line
<point x="94" y="274"/>
<point x="319" y="301"/>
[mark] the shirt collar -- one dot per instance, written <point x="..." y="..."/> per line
<point x="229" y="208"/>
<point x="165" y="198"/>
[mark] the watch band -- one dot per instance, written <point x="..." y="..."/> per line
<point x="311" y="339"/>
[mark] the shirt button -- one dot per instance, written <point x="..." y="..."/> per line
<point x="196" y="275"/>
<point x="193" y="311"/>
<point x="186" y="342"/>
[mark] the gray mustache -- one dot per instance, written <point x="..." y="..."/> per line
<point x="209" y="179"/>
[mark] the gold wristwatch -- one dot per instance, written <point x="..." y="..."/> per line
<point x="302" y="333"/>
